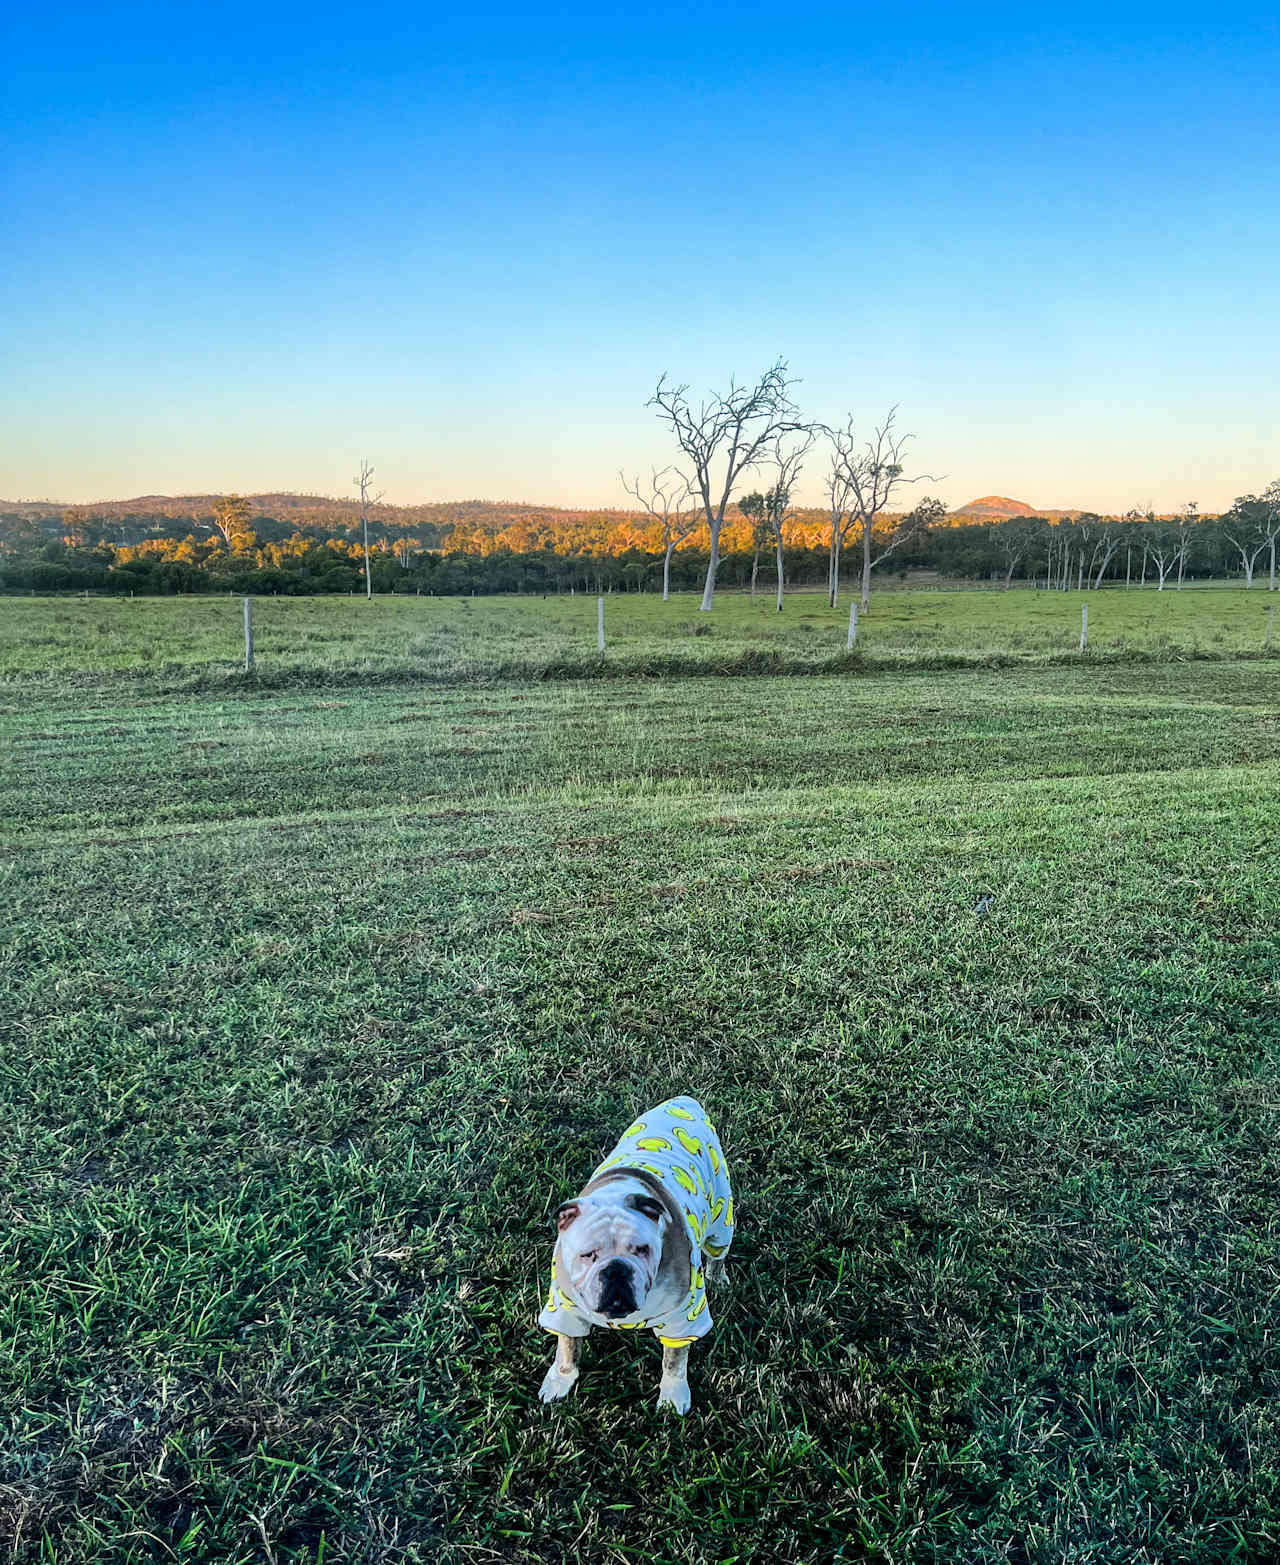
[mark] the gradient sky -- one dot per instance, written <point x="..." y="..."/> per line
<point x="249" y="244"/>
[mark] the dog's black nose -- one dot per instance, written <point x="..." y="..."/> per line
<point x="617" y="1296"/>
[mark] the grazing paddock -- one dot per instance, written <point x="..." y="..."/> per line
<point x="316" y="1002"/>
<point x="458" y="638"/>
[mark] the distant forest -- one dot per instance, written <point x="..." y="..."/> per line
<point x="302" y="544"/>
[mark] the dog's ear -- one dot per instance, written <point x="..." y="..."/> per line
<point x="647" y="1207"/>
<point x="567" y="1214"/>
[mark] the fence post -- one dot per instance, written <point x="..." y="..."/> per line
<point x="1271" y="620"/>
<point x="248" y="635"/>
<point x="853" y="626"/>
<point x="600" y="623"/>
<point x="1084" y="626"/>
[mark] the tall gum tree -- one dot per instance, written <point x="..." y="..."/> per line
<point x="1252" y="526"/>
<point x="722" y="438"/>
<point x="363" y="481"/>
<point x="788" y="458"/>
<point x="665" y="498"/>
<point x="231" y="518"/>
<point x="864" y="479"/>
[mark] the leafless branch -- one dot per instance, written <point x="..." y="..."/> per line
<point x="725" y="436"/>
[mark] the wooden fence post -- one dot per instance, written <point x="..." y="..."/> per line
<point x="248" y="635"/>
<point x="1084" y="627"/>
<point x="600" y="623"/>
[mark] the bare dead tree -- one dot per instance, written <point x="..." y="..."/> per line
<point x="1086" y="529"/>
<point x="366" y="500"/>
<point x="787" y="461"/>
<point x="734" y="429"/>
<point x="839" y="493"/>
<point x="866" y="477"/>
<point x="1188" y="521"/>
<point x="665" y="498"/>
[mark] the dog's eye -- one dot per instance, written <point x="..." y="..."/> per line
<point x="587" y="1255"/>
<point x="642" y="1250"/>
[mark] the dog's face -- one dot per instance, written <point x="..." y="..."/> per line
<point x="611" y="1246"/>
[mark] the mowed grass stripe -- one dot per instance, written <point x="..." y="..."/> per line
<point x="194" y="761"/>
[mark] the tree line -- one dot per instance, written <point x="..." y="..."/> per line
<point x="1085" y="553"/>
<point x="697" y="524"/>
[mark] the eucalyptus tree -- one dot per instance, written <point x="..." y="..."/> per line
<point x="752" y="507"/>
<point x="839" y="490"/>
<point x="1167" y="544"/>
<point x="724" y="436"/>
<point x="362" y="483"/>
<point x="231" y="518"/>
<point x="664" y="498"/>
<point x="788" y="458"/>
<point x="1013" y="540"/>
<point x="1252" y="526"/>
<point x="1110" y="537"/>
<point x="1188" y="521"/>
<point x="863" y="481"/>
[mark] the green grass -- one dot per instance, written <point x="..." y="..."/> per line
<point x="316" y="1003"/>
<point x="452" y="638"/>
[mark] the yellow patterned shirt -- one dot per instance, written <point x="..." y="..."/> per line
<point x="677" y="1145"/>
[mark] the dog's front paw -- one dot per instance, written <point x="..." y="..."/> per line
<point x="556" y="1384"/>
<point x="675" y="1394"/>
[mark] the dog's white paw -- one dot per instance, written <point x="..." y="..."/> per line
<point x="556" y="1384"/>
<point x="675" y="1394"/>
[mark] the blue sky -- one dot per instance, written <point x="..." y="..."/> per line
<point x="250" y="245"/>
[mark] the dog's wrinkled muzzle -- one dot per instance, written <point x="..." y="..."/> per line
<point x="617" y="1290"/>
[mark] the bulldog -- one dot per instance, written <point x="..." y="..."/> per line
<point x="636" y="1248"/>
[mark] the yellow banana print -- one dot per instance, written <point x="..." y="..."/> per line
<point x="653" y="1144"/>
<point x="697" y="1309"/>
<point x="676" y="1342"/>
<point x="728" y="1214"/>
<point x="650" y="1168"/>
<point x="697" y="1280"/>
<point x="715" y="1251"/>
<point x="637" y="1129"/>
<point x="715" y="1157"/>
<point x="681" y="1178"/>
<point x="679" y="1113"/>
<point x="716" y="1208"/>
<point x="688" y="1142"/>
<point x="694" y="1224"/>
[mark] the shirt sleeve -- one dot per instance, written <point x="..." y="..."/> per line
<point x="560" y="1314"/>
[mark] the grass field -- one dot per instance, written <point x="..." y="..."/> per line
<point x="316" y="1002"/>
<point x="458" y="638"/>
